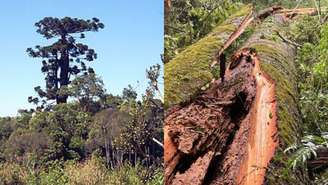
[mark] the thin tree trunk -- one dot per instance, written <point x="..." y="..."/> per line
<point x="64" y="72"/>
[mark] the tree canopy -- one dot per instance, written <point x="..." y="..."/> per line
<point x="65" y="57"/>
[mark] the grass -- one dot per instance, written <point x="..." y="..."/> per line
<point x="90" y="172"/>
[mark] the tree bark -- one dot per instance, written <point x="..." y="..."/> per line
<point x="167" y="6"/>
<point x="63" y="76"/>
<point x="236" y="131"/>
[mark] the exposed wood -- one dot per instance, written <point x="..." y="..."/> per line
<point x="200" y="132"/>
<point x="300" y="11"/>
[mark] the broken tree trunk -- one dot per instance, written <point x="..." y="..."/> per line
<point x="190" y="70"/>
<point x="236" y="131"/>
<point x="276" y="117"/>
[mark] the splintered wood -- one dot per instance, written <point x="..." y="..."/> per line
<point x="205" y="140"/>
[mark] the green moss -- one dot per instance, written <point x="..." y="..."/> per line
<point x="286" y="92"/>
<point x="224" y="27"/>
<point x="242" y="11"/>
<point x="190" y="70"/>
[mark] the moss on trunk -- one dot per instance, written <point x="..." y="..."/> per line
<point x="190" y="70"/>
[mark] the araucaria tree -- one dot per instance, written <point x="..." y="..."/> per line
<point x="63" y="58"/>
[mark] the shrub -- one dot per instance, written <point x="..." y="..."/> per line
<point x="128" y="174"/>
<point x="91" y="172"/>
<point x="54" y="175"/>
<point x="12" y="174"/>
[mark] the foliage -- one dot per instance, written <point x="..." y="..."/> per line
<point x="144" y="123"/>
<point x="313" y="102"/>
<point x="313" y="78"/>
<point x="157" y="179"/>
<point x="67" y="128"/>
<point x="63" y="58"/>
<point x="306" y="30"/>
<point x="6" y="129"/>
<point x="49" y="145"/>
<point x="261" y="4"/>
<point x="59" y="134"/>
<point x="54" y="175"/>
<point x="88" y="89"/>
<point x="145" y="118"/>
<point x="35" y="153"/>
<point x="12" y="174"/>
<point x="321" y="68"/>
<point x="153" y="74"/>
<point x="129" y="93"/>
<point x="111" y="101"/>
<point x="24" y="145"/>
<point x="307" y="149"/>
<point x="323" y="179"/>
<point x="106" y="127"/>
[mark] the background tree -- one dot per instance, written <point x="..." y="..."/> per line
<point x="107" y="126"/>
<point x="65" y="57"/>
<point x="153" y="74"/>
<point x="88" y="89"/>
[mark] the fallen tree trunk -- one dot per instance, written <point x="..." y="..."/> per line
<point x="235" y="132"/>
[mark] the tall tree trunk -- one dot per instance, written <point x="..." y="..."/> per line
<point x="235" y="132"/>
<point x="64" y="78"/>
<point x="167" y="5"/>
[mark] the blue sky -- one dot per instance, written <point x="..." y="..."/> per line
<point x="131" y="42"/>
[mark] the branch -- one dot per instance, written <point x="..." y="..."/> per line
<point x="287" y="40"/>
<point x="158" y="142"/>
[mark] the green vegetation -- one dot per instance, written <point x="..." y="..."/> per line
<point x="312" y="62"/>
<point x="108" y="140"/>
<point x="79" y="134"/>
<point x="92" y="171"/>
